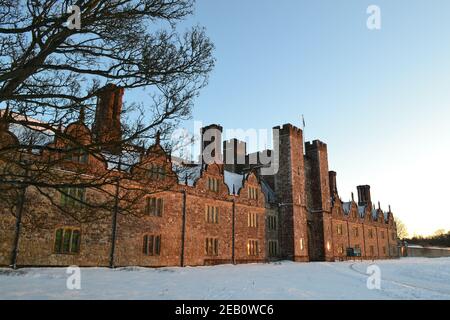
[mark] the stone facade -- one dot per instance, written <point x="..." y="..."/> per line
<point x="226" y="213"/>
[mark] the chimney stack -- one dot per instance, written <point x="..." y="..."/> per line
<point x="364" y="195"/>
<point x="4" y="125"/>
<point x="333" y="185"/>
<point x="107" y="127"/>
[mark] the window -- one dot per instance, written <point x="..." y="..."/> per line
<point x="80" y="157"/>
<point x="357" y="246"/>
<point x="252" y="220"/>
<point x="154" y="207"/>
<point x="272" y="222"/>
<point x="212" y="246"/>
<point x="302" y="246"/>
<point x="384" y="250"/>
<point x="76" y="155"/>
<point x="356" y="231"/>
<point x="212" y="214"/>
<point x="213" y="184"/>
<point x="371" y="233"/>
<point x="71" y="196"/>
<point x="151" y="245"/>
<point x="372" y="251"/>
<point x="252" y="248"/>
<point x="67" y="241"/>
<point x="273" y="248"/>
<point x="339" y="229"/>
<point x="156" y="172"/>
<point x="382" y="234"/>
<point x="341" y="249"/>
<point x="253" y="193"/>
<point x="393" y="236"/>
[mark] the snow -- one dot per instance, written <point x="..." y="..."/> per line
<point x="407" y="278"/>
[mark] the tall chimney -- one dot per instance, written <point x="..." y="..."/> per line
<point x="4" y="125"/>
<point x="107" y="127"/>
<point x="211" y="144"/>
<point x="333" y="185"/>
<point x="364" y="195"/>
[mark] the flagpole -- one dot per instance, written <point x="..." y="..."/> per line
<point x="303" y="129"/>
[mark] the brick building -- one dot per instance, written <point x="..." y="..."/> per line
<point x="222" y="212"/>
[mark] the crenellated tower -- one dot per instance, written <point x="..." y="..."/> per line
<point x="290" y="189"/>
<point x="319" y="201"/>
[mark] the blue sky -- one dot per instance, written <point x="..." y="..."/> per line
<point x="379" y="99"/>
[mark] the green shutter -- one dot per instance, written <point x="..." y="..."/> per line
<point x="151" y="243"/>
<point x="75" y="248"/>
<point x="157" y="245"/>
<point x="145" y="245"/>
<point x="67" y="241"/>
<point x="58" y="240"/>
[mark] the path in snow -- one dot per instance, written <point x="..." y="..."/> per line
<point x="410" y="278"/>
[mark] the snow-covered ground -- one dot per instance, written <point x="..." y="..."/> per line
<point x="408" y="278"/>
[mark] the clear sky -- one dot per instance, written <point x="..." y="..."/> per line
<point x="379" y="99"/>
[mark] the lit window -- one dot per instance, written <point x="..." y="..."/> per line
<point x="253" y="220"/>
<point x="252" y="248"/>
<point x="213" y="184"/>
<point x="253" y="193"/>
<point x="212" y="214"/>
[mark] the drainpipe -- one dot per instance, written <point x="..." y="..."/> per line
<point x="388" y="234"/>
<point x="364" y="241"/>
<point x="183" y="229"/>
<point x="233" y="257"/>
<point x="378" y="244"/>
<point x="114" y="224"/>
<point x="348" y="234"/>
<point x="18" y="226"/>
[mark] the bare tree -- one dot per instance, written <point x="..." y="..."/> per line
<point x="50" y="78"/>
<point x="402" y="232"/>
